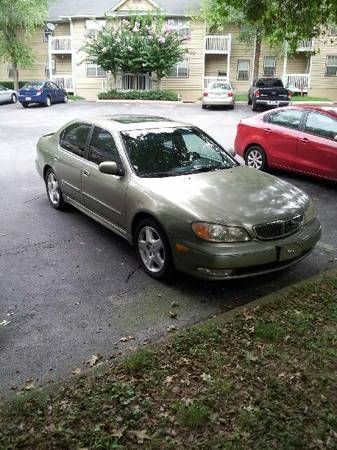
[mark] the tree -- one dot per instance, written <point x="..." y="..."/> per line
<point x="18" y="20"/>
<point x="277" y="21"/>
<point x="141" y="45"/>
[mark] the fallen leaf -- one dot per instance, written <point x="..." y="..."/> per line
<point x="172" y="314"/>
<point x="4" y="323"/>
<point x="171" y="328"/>
<point x="94" y="359"/>
<point x="127" y="338"/>
<point x="140" y="436"/>
<point x="168" y="380"/>
<point x="205" y="377"/>
<point x="174" y="305"/>
<point x="29" y="386"/>
<point x="118" y="433"/>
<point x="76" y="371"/>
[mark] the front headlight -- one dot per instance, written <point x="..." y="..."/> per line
<point x="310" y="213"/>
<point x="214" y="232"/>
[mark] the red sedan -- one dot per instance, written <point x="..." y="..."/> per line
<point x="296" y="138"/>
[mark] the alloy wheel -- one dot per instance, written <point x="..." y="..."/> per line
<point x="255" y="159"/>
<point x="53" y="189"/>
<point x="151" y="249"/>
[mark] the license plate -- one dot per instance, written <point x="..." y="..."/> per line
<point x="272" y="102"/>
<point x="289" y="251"/>
<point x="28" y="98"/>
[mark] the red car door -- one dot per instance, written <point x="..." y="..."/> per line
<point x="317" y="145"/>
<point x="281" y="132"/>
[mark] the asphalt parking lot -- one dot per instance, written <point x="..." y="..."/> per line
<point x="69" y="288"/>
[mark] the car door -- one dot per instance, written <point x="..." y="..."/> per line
<point x="58" y="93"/>
<point x="69" y="161"/>
<point x="50" y="90"/>
<point x="104" y="194"/>
<point x="280" y="135"/>
<point x="317" y="145"/>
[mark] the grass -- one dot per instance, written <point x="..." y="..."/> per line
<point x="75" y="98"/>
<point x="262" y="378"/>
<point x="308" y="98"/>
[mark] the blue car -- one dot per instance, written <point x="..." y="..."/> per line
<point x="43" y="92"/>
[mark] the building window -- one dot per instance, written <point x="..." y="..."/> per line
<point x="269" y="66"/>
<point x="10" y="72"/>
<point x="93" y="70"/>
<point x="331" y="66"/>
<point x="243" y="69"/>
<point x="181" y="26"/>
<point x="180" y="70"/>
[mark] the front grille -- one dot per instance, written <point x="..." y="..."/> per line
<point x="278" y="228"/>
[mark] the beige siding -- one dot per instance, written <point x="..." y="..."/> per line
<point x="62" y="29"/>
<point x="215" y="64"/>
<point x="134" y="5"/>
<point x="63" y="64"/>
<point x="266" y="50"/>
<point x="299" y="63"/>
<point x="191" y="88"/>
<point x="84" y="86"/>
<point x="320" y="84"/>
<point x="240" y="50"/>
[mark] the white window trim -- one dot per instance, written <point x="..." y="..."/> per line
<point x="269" y="66"/>
<point x="238" y="70"/>
<point x="97" y="68"/>
<point x="183" y="64"/>
<point x="330" y="65"/>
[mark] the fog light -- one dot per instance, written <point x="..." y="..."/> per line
<point x="221" y="273"/>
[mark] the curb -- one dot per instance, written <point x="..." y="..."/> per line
<point x="146" y="102"/>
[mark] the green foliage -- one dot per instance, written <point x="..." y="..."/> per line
<point x="139" y="360"/>
<point x="138" y="95"/>
<point x="18" y="20"/>
<point x="141" y="45"/>
<point x="193" y="415"/>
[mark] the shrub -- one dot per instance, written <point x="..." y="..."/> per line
<point x="114" y="94"/>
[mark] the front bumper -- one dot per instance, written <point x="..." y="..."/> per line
<point x="227" y="261"/>
<point x="213" y="101"/>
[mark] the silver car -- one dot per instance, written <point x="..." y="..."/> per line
<point x="177" y="196"/>
<point x="7" y="95"/>
<point x="218" y="94"/>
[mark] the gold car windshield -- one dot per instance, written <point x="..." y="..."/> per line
<point x="169" y="152"/>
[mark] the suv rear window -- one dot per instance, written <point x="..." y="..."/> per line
<point x="269" y="82"/>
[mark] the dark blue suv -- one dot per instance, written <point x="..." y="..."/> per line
<point x="43" y="92"/>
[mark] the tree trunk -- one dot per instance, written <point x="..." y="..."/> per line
<point x="115" y="80"/>
<point x="257" y="54"/>
<point x="16" y="76"/>
<point x="159" y="79"/>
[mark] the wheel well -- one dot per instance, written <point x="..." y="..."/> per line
<point x="141" y="216"/>
<point x="46" y="168"/>
<point x="253" y="145"/>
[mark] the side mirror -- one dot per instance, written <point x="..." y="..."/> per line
<point x="111" y="168"/>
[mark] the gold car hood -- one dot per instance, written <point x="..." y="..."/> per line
<point x="240" y="195"/>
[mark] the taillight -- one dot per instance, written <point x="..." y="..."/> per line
<point x="257" y="94"/>
<point x="205" y="94"/>
<point x="230" y="94"/>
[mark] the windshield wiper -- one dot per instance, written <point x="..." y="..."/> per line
<point x="156" y="175"/>
<point x="206" y="169"/>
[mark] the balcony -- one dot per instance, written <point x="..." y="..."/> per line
<point x="297" y="82"/>
<point x="306" y="46"/>
<point x="64" y="82"/>
<point x="209" y="80"/>
<point x="217" y="44"/>
<point x="61" y="44"/>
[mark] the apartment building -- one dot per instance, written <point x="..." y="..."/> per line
<point x="60" y="56"/>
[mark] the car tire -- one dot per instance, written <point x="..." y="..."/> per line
<point x="231" y="106"/>
<point x="54" y="192"/>
<point x="254" y="106"/>
<point x="256" y="158"/>
<point x="25" y="105"/>
<point x="153" y="250"/>
<point x="204" y="106"/>
<point x="65" y="99"/>
<point x="48" y="102"/>
<point x="14" y="98"/>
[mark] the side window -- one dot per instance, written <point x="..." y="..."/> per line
<point x="290" y="118"/>
<point x="74" y="138"/>
<point x="321" y="125"/>
<point x="102" y="147"/>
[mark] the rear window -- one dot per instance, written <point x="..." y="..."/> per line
<point x="267" y="83"/>
<point x="223" y="86"/>
<point x="33" y="85"/>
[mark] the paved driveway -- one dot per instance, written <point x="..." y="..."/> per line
<point x="70" y="288"/>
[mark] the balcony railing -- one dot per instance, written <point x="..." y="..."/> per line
<point x="217" y="44"/>
<point x="306" y="46"/>
<point x="297" y="82"/>
<point x="64" y="82"/>
<point x="209" y="80"/>
<point x="61" y="44"/>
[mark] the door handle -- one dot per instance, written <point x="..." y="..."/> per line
<point x="86" y="173"/>
<point x="304" y="140"/>
<point x="267" y="130"/>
